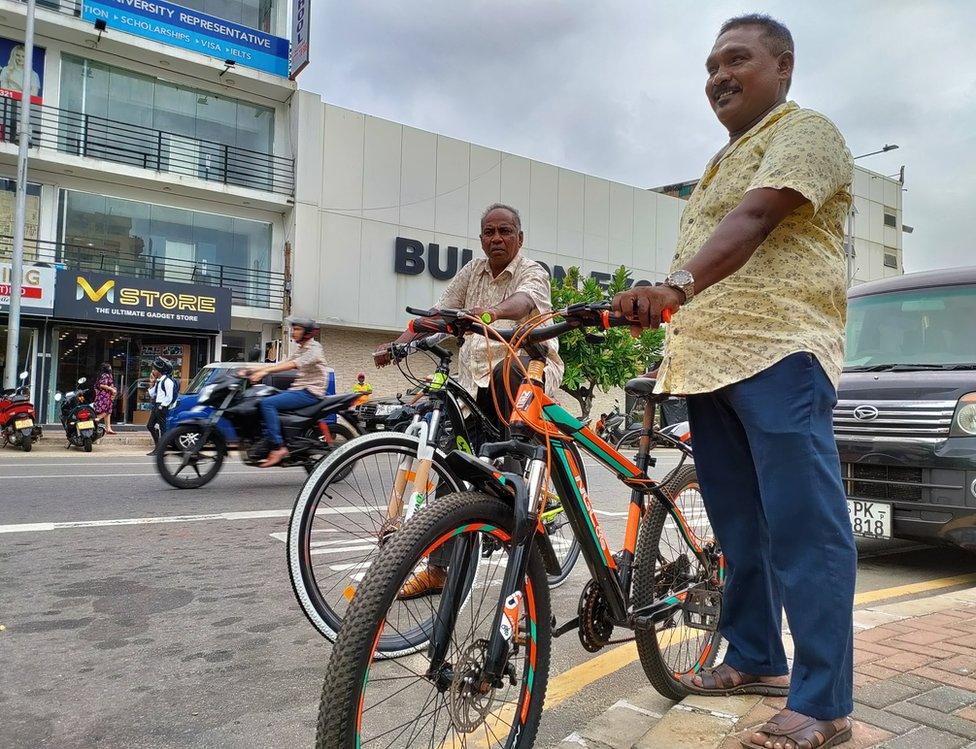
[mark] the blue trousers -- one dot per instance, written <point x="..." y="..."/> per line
<point x="770" y="479"/>
<point x="286" y="401"/>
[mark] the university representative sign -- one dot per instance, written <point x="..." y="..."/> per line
<point x="99" y="297"/>
<point x="190" y="29"/>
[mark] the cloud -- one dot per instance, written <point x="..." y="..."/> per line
<point x="616" y="88"/>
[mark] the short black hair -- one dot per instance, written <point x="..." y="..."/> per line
<point x="778" y="37"/>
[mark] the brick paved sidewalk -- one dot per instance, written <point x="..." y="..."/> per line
<point x="915" y="687"/>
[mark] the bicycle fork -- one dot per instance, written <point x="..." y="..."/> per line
<point x="505" y="625"/>
<point x="415" y="469"/>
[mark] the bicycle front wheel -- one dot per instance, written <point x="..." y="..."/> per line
<point x="665" y="564"/>
<point x="412" y="702"/>
<point x="338" y="523"/>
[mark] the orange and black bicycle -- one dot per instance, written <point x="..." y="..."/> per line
<point x="481" y="681"/>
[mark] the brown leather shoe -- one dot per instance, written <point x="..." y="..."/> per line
<point x="427" y="582"/>
<point x="275" y="457"/>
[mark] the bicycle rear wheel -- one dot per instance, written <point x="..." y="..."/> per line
<point x="337" y="525"/>
<point x="666" y="564"/>
<point x="410" y="702"/>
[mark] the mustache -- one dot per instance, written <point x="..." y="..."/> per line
<point x="719" y="90"/>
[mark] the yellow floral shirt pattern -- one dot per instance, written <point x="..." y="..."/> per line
<point x="791" y="295"/>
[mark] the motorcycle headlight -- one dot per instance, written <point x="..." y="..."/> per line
<point x="205" y="392"/>
<point x="964" y="419"/>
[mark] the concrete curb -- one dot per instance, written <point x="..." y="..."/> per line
<point x="53" y="441"/>
<point x="712" y="722"/>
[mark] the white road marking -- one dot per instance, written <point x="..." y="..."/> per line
<point x="247" y="515"/>
<point x="249" y="472"/>
<point x="343" y="549"/>
<point x="90" y="464"/>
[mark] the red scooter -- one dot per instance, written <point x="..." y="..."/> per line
<point x="18" y="421"/>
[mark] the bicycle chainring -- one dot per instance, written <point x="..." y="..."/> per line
<point x="595" y="626"/>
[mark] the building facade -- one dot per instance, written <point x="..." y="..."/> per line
<point x="385" y="215"/>
<point x="161" y="185"/>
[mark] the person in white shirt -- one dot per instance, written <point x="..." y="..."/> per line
<point x="162" y="392"/>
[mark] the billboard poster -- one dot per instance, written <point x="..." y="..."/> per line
<point x="12" y="71"/>
<point x="190" y="29"/>
<point x="301" y="21"/>
<point x="36" y="292"/>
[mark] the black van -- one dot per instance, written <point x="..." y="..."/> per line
<point x="905" y="420"/>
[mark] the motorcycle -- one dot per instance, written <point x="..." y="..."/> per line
<point x="191" y="453"/>
<point x="78" y="418"/>
<point x="18" y="420"/>
<point x="611" y="426"/>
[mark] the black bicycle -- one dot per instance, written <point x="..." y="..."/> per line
<point x="482" y="679"/>
<point x="364" y="492"/>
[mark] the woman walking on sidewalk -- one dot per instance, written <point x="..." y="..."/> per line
<point x="105" y="396"/>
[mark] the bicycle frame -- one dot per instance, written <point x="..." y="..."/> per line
<point x="537" y="415"/>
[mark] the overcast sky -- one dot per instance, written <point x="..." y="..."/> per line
<point x="615" y="87"/>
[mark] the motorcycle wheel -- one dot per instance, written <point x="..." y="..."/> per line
<point x="170" y="458"/>
<point x="87" y="444"/>
<point x="26" y="444"/>
<point x="341" y="434"/>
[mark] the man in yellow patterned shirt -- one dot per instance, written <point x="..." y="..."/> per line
<point x="756" y="343"/>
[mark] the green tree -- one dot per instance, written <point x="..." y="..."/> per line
<point x="600" y="365"/>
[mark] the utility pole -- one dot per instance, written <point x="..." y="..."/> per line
<point x="20" y="208"/>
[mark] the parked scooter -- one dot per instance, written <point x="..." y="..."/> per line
<point x="18" y="420"/>
<point x="78" y="418"/>
<point x="192" y="452"/>
<point x="611" y="426"/>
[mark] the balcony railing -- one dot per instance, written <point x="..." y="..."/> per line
<point x="96" y="137"/>
<point x="250" y="287"/>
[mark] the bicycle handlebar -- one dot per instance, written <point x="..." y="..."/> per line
<point x="455" y="322"/>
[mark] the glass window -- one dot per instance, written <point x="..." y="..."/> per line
<point x="255" y="14"/>
<point x="890" y="260"/>
<point x="890" y="219"/>
<point x="130" y="238"/>
<point x="120" y="116"/>
<point x="917" y="327"/>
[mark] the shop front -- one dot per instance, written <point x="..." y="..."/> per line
<point x="128" y="322"/>
<point x="36" y="305"/>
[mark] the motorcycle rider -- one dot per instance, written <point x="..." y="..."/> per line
<point x="308" y="387"/>
<point x="162" y="392"/>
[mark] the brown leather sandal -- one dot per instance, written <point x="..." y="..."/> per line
<point x="792" y="730"/>
<point x="723" y="680"/>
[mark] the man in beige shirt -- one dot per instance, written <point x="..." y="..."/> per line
<point x="506" y="288"/>
<point x="307" y="388"/>
<point x="756" y="343"/>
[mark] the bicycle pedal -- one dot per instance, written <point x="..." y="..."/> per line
<point x="702" y="609"/>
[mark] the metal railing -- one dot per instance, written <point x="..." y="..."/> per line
<point x="250" y="287"/>
<point x="96" y="137"/>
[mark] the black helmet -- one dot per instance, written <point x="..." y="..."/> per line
<point x="162" y="365"/>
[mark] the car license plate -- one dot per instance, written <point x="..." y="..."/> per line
<point x="86" y="425"/>
<point x="23" y="424"/>
<point x="870" y="519"/>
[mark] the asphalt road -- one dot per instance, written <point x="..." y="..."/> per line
<point x="186" y="633"/>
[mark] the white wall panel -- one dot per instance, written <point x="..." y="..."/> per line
<point x="515" y="188"/>
<point x="485" y="188"/>
<point x="451" y="203"/>
<point x="377" y="281"/>
<point x="596" y="206"/>
<point x="569" y="232"/>
<point x="418" y="178"/>
<point x="342" y="166"/>
<point x="340" y="242"/>
<point x="381" y="178"/>
<point x="543" y="202"/>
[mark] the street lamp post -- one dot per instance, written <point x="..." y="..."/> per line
<point x="20" y="208"/>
